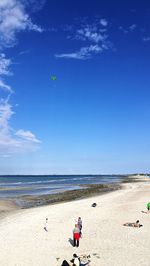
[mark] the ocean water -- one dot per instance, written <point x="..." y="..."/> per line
<point x="13" y="186"/>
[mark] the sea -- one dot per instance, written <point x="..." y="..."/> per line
<point x="16" y="186"/>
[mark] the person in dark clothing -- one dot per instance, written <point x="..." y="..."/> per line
<point x="80" y="225"/>
<point x="65" y="263"/>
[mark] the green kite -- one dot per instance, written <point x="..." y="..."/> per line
<point x="53" y="77"/>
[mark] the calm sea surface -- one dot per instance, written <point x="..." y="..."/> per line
<point x="12" y="186"/>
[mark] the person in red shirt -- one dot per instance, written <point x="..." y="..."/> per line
<point x="76" y="236"/>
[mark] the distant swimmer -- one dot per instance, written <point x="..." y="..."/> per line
<point x="136" y="224"/>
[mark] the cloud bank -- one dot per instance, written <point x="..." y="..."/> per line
<point x="13" y="19"/>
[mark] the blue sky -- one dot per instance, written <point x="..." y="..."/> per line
<point x="94" y="117"/>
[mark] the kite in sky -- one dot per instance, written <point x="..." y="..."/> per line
<point x="53" y="77"/>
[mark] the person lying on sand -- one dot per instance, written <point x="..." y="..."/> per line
<point x="136" y="224"/>
<point x="74" y="262"/>
<point x="65" y="263"/>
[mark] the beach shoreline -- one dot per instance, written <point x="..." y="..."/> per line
<point x="86" y="191"/>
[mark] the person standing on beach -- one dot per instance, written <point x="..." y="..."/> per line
<point x="148" y="207"/>
<point x="80" y="225"/>
<point x="76" y="236"/>
<point x="46" y="225"/>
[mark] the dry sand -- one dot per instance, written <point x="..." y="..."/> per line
<point x="23" y="241"/>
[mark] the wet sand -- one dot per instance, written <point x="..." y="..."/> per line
<point x="7" y="207"/>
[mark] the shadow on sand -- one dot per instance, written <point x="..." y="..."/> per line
<point x="71" y="241"/>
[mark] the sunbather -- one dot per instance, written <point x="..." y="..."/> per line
<point x="75" y="261"/>
<point x="136" y="224"/>
<point x="65" y="263"/>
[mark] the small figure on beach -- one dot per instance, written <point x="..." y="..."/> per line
<point x="80" y="225"/>
<point x="76" y="236"/>
<point x="148" y="207"/>
<point x="94" y="204"/>
<point x="136" y="224"/>
<point x="46" y="225"/>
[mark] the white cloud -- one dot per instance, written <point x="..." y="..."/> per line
<point x="103" y="22"/>
<point x="10" y="141"/>
<point x="4" y="71"/>
<point x="24" y="52"/>
<point x="146" y="39"/>
<point x="27" y="135"/>
<point x="13" y="18"/>
<point x="5" y="114"/>
<point x="88" y="33"/>
<point x="75" y="55"/>
<point x="132" y="27"/>
<point x="129" y="29"/>
<point x="34" y="27"/>
<point x="123" y="30"/>
<point x="83" y="53"/>
<point x="36" y="5"/>
<point x="5" y="86"/>
<point x="95" y="37"/>
<point x="4" y="65"/>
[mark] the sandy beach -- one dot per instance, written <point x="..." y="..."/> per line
<point x="24" y="241"/>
